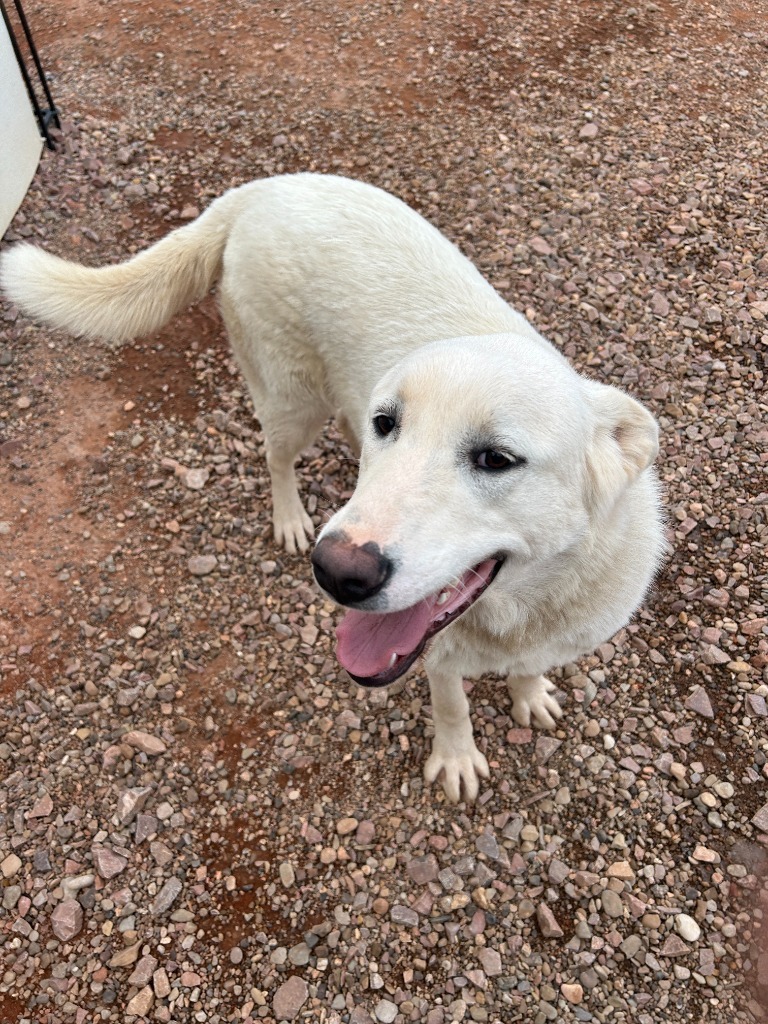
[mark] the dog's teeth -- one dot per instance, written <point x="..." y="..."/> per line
<point x="393" y="659"/>
<point x="443" y="597"/>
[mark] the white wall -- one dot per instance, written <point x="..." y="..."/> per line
<point x="20" y="141"/>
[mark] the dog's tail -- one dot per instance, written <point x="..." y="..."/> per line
<point x="124" y="301"/>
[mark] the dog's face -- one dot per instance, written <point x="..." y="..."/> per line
<point x="482" y="456"/>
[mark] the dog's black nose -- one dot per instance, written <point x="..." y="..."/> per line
<point x="350" y="574"/>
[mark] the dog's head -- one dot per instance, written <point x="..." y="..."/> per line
<point x="481" y="455"/>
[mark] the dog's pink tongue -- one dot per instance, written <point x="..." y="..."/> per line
<point x="367" y="641"/>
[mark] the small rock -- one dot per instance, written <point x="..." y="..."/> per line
<point x="687" y="928"/>
<point x="145" y="742"/>
<point x="491" y="961"/>
<point x="143" y="971"/>
<point x="540" y="246"/>
<point x="290" y="997"/>
<point x="557" y="871"/>
<point x="41" y="862"/>
<point x="700" y="703"/>
<point x="141" y="1003"/>
<point x="674" y="947"/>
<point x="161" y="983"/>
<point x="488" y="845"/>
<point x="299" y="954"/>
<point x="11" y="896"/>
<point x="612" y="904"/>
<point x="166" y="896"/>
<point x="107" y="862"/>
<point x="161" y="853"/>
<point x="621" y="869"/>
<point x="10" y="865"/>
<point x="42" y="808"/>
<point x="67" y="920"/>
<point x="422" y="870"/>
<point x="196" y="479"/>
<point x="73" y="884"/>
<point x="385" y="1011"/>
<point x="760" y="819"/>
<point x="519" y="736"/>
<point x="547" y="921"/>
<point x="287" y="874"/>
<point x="572" y="993"/>
<point x="360" y="1016"/>
<point x="125" y="957"/>
<point x="630" y="946"/>
<point x="405" y="916"/>
<point x="546" y="747"/>
<point x="705" y="855"/>
<point x="659" y="304"/>
<point x="366" y="833"/>
<point x="130" y="802"/>
<point x="146" y="826"/>
<point x="757" y="705"/>
<point x="346" y="825"/>
<point x="202" y="565"/>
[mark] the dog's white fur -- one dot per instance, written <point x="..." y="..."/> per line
<point x="338" y="298"/>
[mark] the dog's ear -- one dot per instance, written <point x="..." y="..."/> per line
<point x="625" y="442"/>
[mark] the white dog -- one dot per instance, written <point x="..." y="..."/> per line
<point x="506" y="517"/>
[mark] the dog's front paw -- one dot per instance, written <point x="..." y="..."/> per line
<point x="532" y="700"/>
<point x="462" y="766"/>
<point x="293" y="530"/>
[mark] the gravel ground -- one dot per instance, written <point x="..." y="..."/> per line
<point x="201" y="819"/>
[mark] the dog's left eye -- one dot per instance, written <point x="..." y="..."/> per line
<point x="384" y="424"/>
<point x="494" y="461"/>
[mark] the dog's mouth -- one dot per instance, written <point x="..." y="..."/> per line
<point x="377" y="648"/>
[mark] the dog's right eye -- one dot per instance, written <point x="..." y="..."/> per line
<point x="384" y="424"/>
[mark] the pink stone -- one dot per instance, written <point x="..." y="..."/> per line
<point x="366" y="832"/>
<point x="290" y="998"/>
<point x="550" y="929"/>
<point x="107" y="863"/>
<point x="42" y="808"/>
<point x="491" y="961"/>
<point x="67" y="920"/>
<point x="700" y="703"/>
<point x="144" y="741"/>
<point x="519" y="736"/>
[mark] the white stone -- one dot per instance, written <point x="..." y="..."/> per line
<point x="687" y="928"/>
